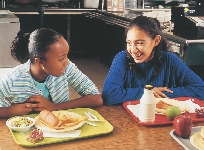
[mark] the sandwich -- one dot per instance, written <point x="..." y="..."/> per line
<point x="59" y="120"/>
<point x="49" y="119"/>
<point x="163" y="103"/>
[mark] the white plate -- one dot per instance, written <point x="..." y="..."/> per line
<point x="186" y="142"/>
<point x="43" y="127"/>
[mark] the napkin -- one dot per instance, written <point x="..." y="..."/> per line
<point x="67" y="134"/>
<point x="135" y="109"/>
<point x="191" y="105"/>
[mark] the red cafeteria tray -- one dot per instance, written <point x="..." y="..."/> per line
<point x="162" y="119"/>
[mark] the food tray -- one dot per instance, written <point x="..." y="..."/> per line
<point x="162" y="119"/>
<point x="186" y="142"/>
<point x="103" y="127"/>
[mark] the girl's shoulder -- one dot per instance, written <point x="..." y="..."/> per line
<point x="19" y="72"/>
<point x="171" y="59"/>
<point x="169" y="55"/>
<point x="121" y="55"/>
<point x="20" y="69"/>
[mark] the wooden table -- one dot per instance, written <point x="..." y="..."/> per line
<point x="126" y="135"/>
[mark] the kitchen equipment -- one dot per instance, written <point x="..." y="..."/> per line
<point x="91" y="3"/>
<point x="54" y="1"/>
<point x="60" y="3"/>
<point x="2" y="3"/>
<point x="22" y="1"/>
<point x="185" y="18"/>
<point x="9" y="27"/>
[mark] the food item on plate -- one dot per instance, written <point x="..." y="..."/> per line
<point x="21" y="122"/>
<point x="199" y="113"/>
<point x="197" y="139"/>
<point x="69" y="120"/>
<point x="182" y="126"/>
<point x="35" y="136"/>
<point x="172" y="112"/>
<point x="49" y="119"/>
<point x="163" y="103"/>
<point x="60" y="120"/>
<point x="202" y="134"/>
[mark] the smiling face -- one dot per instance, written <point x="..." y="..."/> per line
<point x="140" y="45"/>
<point x="56" y="59"/>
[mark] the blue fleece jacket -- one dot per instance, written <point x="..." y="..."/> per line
<point x="124" y="84"/>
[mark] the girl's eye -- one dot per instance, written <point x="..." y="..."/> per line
<point x="139" y="42"/>
<point x="61" y="59"/>
<point x="128" y="43"/>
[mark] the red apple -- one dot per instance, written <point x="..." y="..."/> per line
<point x="182" y="126"/>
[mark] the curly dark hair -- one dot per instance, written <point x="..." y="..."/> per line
<point x="19" y="47"/>
<point x="151" y="26"/>
<point x="27" y="46"/>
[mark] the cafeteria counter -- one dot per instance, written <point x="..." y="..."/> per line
<point x="105" y="31"/>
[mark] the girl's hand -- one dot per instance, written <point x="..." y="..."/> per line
<point x="19" y="109"/>
<point x="158" y="92"/>
<point x="39" y="103"/>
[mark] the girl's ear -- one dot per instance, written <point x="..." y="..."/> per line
<point x="157" y="39"/>
<point x="38" y="61"/>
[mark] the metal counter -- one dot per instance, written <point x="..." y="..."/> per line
<point x="112" y="18"/>
<point x="119" y="19"/>
<point x="51" y="11"/>
<point x="147" y="9"/>
<point x="178" y="39"/>
<point x="123" y="20"/>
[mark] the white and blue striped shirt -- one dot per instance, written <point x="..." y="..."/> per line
<point x="18" y="85"/>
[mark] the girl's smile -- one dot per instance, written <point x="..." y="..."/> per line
<point x="140" y="45"/>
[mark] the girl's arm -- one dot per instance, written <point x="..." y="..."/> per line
<point x="113" y="90"/>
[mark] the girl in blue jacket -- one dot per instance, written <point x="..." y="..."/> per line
<point x="148" y="61"/>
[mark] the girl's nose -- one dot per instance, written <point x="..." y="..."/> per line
<point x="134" y="49"/>
<point x="66" y="62"/>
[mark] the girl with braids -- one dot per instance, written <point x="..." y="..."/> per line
<point x="41" y="81"/>
<point x="148" y="60"/>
